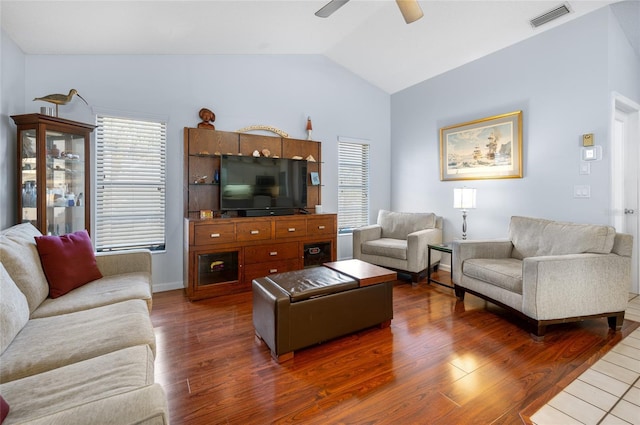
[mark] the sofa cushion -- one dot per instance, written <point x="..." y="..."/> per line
<point x="14" y="309"/>
<point x="505" y="273"/>
<point x="533" y="237"/>
<point x="142" y="406"/>
<point x="385" y="247"/>
<point x="80" y="383"/>
<point x="52" y="342"/>
<point x="101" y="292"/>
<point x="68" y="261"/>
<point x="20" y="257"/>
<point x="397" y="225"/>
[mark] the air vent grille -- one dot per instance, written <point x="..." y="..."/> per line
<point x="549" y="16"/>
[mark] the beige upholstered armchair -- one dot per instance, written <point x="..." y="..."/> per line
<point x="399" y="241"/>
<point x="549" y="272"/>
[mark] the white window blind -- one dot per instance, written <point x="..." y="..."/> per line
<point x="353" y="185"/>
<point x="130" y="184"/>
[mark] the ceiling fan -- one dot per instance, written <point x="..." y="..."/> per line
<point x="410" y="9"/>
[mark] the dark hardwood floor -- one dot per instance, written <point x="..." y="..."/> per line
<point x="440" y="362"/>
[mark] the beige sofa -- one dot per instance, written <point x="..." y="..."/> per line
<point x="399" y="241"/>
<point x="549" y="272"/>
<point x="85" y="357"/>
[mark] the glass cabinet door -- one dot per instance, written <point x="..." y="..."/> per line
<point x="214" y="268"/>
<point x="28" y="180"/>
<point x="65" y="182"/>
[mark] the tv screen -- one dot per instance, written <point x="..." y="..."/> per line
<point x="262" y="183"/>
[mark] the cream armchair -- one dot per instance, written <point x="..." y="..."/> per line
<point x="549" y="272"/>
<point x="399" y="241"/>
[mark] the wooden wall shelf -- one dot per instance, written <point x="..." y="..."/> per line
<point x="202" y="150"/>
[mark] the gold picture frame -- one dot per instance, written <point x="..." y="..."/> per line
<point x="488" y="148"/>
<point x="206" y="214"/>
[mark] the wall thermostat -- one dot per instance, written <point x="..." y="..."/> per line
<point x="592" y="153"/>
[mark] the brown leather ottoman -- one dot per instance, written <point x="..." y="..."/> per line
<point x="301" y="308"/>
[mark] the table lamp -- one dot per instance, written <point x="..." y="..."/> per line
<point x="464" y="198"/>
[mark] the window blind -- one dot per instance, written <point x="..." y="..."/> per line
<point x="130" y="184"/>
<point x="353" y="186"/>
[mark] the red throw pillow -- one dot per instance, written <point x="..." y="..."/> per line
<point x="68" y="261"/>
<point x="4" y="409"/>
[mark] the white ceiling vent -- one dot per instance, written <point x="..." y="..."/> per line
<point x="549" y="16"/>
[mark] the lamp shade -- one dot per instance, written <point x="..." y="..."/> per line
<point x="464" y="198"/>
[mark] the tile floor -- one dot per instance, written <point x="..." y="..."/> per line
<point x="607" y="393"/>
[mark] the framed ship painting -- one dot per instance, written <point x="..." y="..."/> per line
<point x="488" y="148"/>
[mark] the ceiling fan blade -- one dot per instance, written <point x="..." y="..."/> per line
<point x="410" y="10"/>
<point x="330" y="7"/>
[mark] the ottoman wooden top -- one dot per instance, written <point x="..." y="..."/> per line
<point x="365" y="273"/>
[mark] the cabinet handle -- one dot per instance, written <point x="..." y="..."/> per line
<point x="292" y="229"/>
<point x="273" y="270"/>
<point x="215" y="235"/>
<point x="321" y="227"/>
<point x="255" y="232"/>
<point x="273" y="253"/>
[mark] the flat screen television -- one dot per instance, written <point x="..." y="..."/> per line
<point x="256" y="184"/>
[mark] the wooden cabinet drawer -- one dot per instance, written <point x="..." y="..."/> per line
<point x="266" y="253"/>
<point x="291" y="228"/>
<point x="253" y="231"/>
<point x="254" y="271"/>
<point x="321" y="226"/>
<point x="214" y="233"/>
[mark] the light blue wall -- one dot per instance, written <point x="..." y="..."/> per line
<point x="242" y="90"/>
<point x="562" y="81"/>
<point x="624" y="61"/>
<point x="12" y="86"/>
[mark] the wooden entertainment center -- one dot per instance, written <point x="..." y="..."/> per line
<point x="224" y="253"/>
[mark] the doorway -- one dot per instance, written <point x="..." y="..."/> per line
<point x="625" y="148"/>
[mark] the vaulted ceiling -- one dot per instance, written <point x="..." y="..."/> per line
<point x="368" y="37"/>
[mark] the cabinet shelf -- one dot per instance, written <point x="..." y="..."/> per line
<point x="62" y="158"/>
<point x="204" y="155"/>
<point x="64" y="207"/>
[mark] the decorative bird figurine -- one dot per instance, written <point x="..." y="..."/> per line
<point x="60" y="99"/>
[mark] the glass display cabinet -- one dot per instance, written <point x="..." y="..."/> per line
<point x="53" y="173"/>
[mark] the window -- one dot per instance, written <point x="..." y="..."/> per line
<point x="130" y="184"/>
<point x="353" y="185"/>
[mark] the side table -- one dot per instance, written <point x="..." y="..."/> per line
<point x="444" y="247"/>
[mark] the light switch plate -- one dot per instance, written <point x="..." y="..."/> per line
<point x="585" y="167"/>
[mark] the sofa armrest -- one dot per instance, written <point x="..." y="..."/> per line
<point x="464" y="250"/>
<point x="417" y="248"/>
<point x="364" y="234"/>
<point x="574" y="285"/>
<point x="118" y="262"/>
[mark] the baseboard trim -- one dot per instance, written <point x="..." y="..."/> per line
<point x="167" y="286"/>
